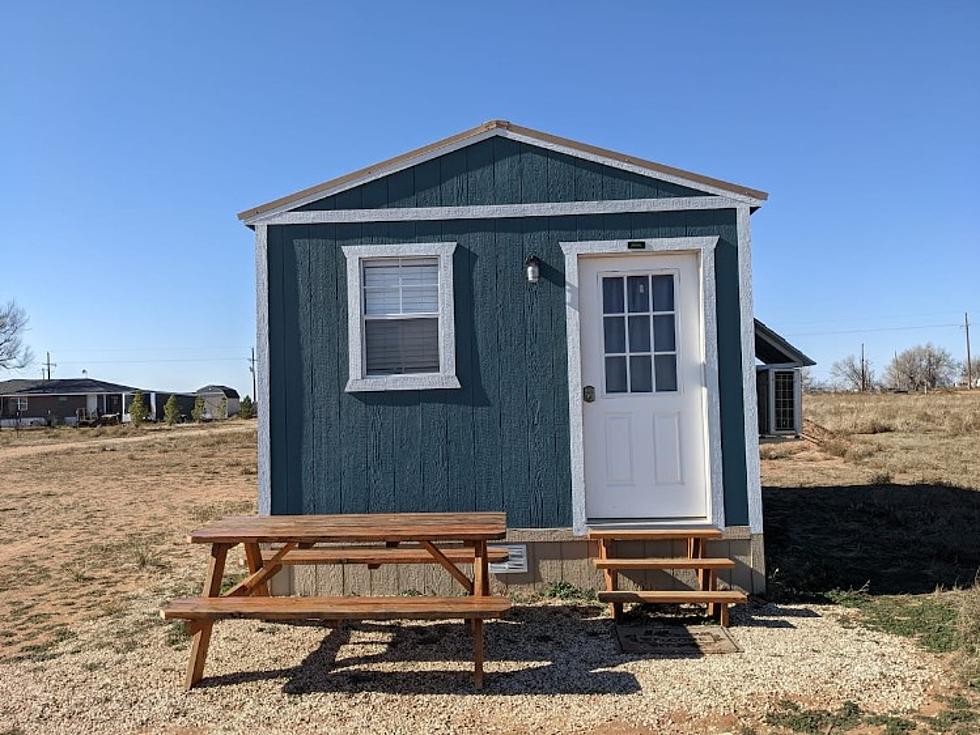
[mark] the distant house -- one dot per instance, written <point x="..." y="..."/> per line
<point x="779" y="383"/>
<point x="64" y="400"/>
<point x="220" y="401"/>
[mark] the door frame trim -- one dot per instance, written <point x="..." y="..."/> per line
<point x="704" y="248"/>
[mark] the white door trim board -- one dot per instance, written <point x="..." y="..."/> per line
<point x="704" y="247"/>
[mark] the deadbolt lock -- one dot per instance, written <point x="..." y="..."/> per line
<point x="588" y="393"/>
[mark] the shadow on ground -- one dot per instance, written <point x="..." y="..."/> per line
<point x="893" y="539"/>
<point x="561" y="649"/>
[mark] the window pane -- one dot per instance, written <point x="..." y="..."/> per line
<point x="663" y="333"/>
<point x="615" y="375"/>
<point x="612" y="295"/>
<point x="666" y="372"/>
<point x="398" y="346"/>
<point x="641" y="381"/>
<point x="639" y="334"/>
<point x="377" y="275"/>
<point x="420" y="300"/>
<point x="419" y="273"/>
<point x="381" y="301"/>
<point x="663" y="293"/>
<point x="638" y="293"/>
<point x="614" y="333"/>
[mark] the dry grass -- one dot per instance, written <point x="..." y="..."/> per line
<point x="90" y="517"/>
<point x="884" y="438"/>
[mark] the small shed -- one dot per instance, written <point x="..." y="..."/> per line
<point x="779" y="383"/>
<point x="510" y="320"/>
<point x="220" y="401"/>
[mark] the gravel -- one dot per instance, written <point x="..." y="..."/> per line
<point x="551" y="668"/>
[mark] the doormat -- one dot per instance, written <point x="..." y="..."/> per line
<point x="675" y="640"/>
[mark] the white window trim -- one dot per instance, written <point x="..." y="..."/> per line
<point x="446" y="377"/>
<point x="21" y="403"/>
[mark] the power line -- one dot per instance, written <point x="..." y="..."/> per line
<point x="874" y="329"/>
<point x="132" y="362"/>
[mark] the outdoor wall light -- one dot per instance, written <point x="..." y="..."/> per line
<point x="532" y="268"/>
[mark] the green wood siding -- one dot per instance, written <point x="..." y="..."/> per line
<point x="501" y="171"/>
<point x="501" y="441"/>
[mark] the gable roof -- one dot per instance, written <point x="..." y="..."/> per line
<point x="60" y="386"/>
<point x="223" y="389"/>
<point x="773" y="349"/>
<point x="515" y="132"/>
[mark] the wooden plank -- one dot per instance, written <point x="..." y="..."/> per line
<point x="477" y="526"/>
<point x="201" y="637"/>
<point x="336" y="608"/>
<point x="453" y="570"/>
<point x="664" y="563"/>
<point x="478" y="653"/>
<point x="369" y="555"/>
<point x="253" y="559"/>
<point x="655" y="534"/>
<point x="261" y="576"/>
<point x="672" y="597"/>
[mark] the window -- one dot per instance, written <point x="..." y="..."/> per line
<point x="400" y="317"/>
<point x="639" y="333"/>
<point x="784" y="404"/>
<point x="21" y="403"/>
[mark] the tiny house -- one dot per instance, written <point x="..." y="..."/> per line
<point x="779" y="383"/>
<point x="510" y="320"/>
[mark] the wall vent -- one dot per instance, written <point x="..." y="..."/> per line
<point x="516" y="559"/>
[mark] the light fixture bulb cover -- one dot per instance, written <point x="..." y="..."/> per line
<point x="532" y="268"/>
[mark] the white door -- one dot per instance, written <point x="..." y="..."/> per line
<point x="643" y="397"/>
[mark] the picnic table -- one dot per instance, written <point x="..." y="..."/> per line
<point x="404" y="538"/>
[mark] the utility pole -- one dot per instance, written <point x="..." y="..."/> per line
<point x="251" y="367"/>
<point x="969" y="360"/>
<point x="48" y="364"/>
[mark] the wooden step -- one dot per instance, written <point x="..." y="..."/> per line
<point x="336" y="608"/>
<point x="667" y="563"/>
<point x="654" y="534"/>
<point x="673" y="597"/>
<point x="373" y="555"/>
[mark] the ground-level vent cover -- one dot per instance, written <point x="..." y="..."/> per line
<point x="516" y="559"/>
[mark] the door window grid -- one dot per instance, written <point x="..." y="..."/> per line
<point x="639" y="333"/>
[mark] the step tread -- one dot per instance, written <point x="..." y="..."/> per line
<point x="654" y="534"/>
<point x="664" y="563"/>
<point x="673" y="596"/>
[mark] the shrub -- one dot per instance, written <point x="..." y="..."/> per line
<point x="171" y="411"/>
<point x="138" y="412"/>
<point x="197" y="413"/>
<point x="246" y="409"/>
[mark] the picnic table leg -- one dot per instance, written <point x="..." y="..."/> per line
<point x="478" y="653"/>
<point x="253" y="557"/>
<point x="202" y="629"/>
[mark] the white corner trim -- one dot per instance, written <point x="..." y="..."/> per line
<point x="704" y="247"/>
<point x="262" y="399"/>
<point x="496" y="211"/>
<point x="357" y="381"/>
<point x="750" y="408"/>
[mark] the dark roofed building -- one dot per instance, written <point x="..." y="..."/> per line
<point x="220" y="401"/>
<point x="65" y="401"/>
<point x="779" y="383"/>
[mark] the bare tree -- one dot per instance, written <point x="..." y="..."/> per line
<point x="847" y="373"/>
<point x="975" y="373"/>
<point x="923" y="367"/>
<point x="14" y="354"/>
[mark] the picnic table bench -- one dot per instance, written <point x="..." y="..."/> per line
<point x="295" y="540"/>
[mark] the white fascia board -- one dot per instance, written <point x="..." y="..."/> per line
<point x="498" y="211"/>
<point x="750" y="409"/>
<point x="262" y="399"/>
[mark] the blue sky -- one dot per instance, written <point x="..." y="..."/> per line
<point x="131" y="134"/>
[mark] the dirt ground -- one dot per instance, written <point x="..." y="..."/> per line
<point x="92" y="541"/>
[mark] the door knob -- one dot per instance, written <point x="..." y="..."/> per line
<point x="588" y="393"/>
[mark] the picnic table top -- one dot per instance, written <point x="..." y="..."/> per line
<point x="354" y="527"/>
